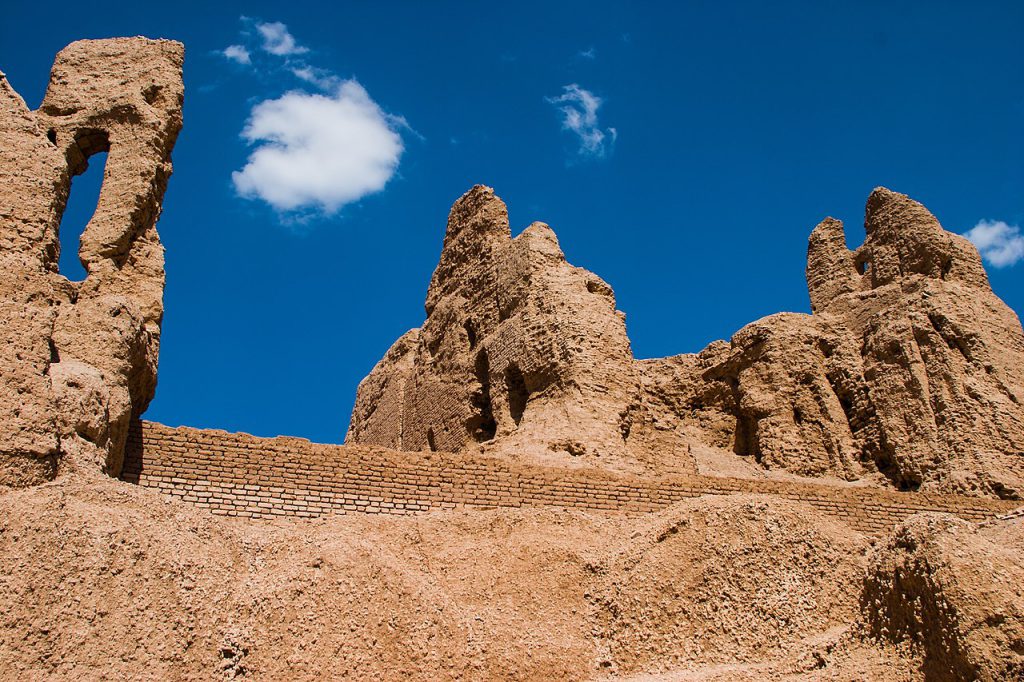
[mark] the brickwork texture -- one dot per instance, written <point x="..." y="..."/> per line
<point x="245" y="476"/>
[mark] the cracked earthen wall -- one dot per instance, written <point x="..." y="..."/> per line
<point x="909" y="373"/>
<point x="79" y="359"/>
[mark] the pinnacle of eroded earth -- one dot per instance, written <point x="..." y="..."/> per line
<point x="79" y="358"/>
<point x="909" y="372"/>
<point x="519" y="348"/>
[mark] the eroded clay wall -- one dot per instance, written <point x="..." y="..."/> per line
<point x="241" y="475"/>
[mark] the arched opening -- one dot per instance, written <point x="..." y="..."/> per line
<point x="87" y="161"/>
<point x="518" y="394"/>
<point x="745" y="440"/>
<point x="862" y="264"/>
<point x="482" y="425"/>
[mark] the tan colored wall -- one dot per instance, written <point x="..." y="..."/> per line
<point x="241" y="475"/>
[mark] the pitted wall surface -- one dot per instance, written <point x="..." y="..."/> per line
<point x="246" y="476"/>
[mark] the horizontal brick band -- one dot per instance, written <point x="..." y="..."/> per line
<point x="242" y="475"/>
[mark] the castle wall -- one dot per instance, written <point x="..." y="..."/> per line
<point x="246" y="476"/>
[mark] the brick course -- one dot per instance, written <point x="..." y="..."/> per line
<point x="242" y="475"/>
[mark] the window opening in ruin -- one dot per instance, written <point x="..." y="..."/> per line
<point x="518" y="395"/>
<point x="947" y="267"/>
<point x="82" y="202"/>
<point x="430" y="440"/>
<point x="745" y="441"/>
<point x="482" y="426"/>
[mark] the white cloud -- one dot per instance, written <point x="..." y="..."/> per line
<point x="1001" y="245"/>
<point x="278" y="41"/>
<point x="318" y="151"/>
<point x="579" y="116"/>
<point x="312" y="152"/>
<point x="237" y="53"/>
<point x="321" y="78"/>
<point x="589" y="53"/>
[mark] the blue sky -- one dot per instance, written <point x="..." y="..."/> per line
<point x="704" y="142"/>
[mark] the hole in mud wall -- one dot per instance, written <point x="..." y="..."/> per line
<point x="847" y="405"/>
<point x="518" y="395"/>
<point x="745" y="442"/>
<point x="909" y="485"/>
<point x="863" y="266"/>
<point x="153" y="94"/>
<point x="482" y="426"/>
<point x="82" y="202"/>
<point x="431" y="443"/>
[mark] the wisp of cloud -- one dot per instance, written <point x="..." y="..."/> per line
<point x="237" y="53"/>
<point x="278" y="41"/>
<point x="318" y="151"/>
<point x="579" y="116"/>
<point x="1000" y="244"/>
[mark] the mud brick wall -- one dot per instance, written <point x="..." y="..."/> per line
<point x="242" y="475"/>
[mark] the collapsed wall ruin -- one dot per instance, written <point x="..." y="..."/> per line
<point x="908" y="373"/>
<point x="519" y="347"/>
<point x="79" y="359"/>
